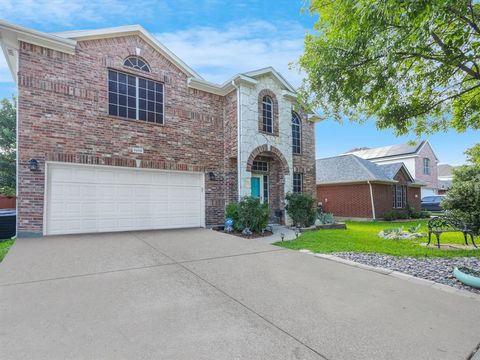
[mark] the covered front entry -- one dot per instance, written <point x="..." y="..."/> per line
<point x="93" y="198"/>
<point x="267" y="180"/>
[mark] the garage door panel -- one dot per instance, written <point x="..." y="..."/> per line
<point x="85" y="199"/>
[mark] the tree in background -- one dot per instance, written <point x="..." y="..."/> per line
<point x="412" y="65"/>
<point x="8" y="115"/>
<point x="463" y="198"/>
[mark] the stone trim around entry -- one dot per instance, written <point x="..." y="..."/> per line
<point x="268" y="149"/>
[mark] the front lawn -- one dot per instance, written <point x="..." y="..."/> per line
<point x="4" y="247"/>
<point x="362" y="237"/>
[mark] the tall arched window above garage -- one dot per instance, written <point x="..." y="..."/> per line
<point x="267" y="115"/>
<point x="136" y="63"/>
<point x="296" y="134"/>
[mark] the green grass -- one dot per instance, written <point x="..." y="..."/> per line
<point x="362" y="237"/>
<point x="4" y="247"/>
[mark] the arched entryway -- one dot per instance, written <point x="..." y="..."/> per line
<point x="268" y="168"/>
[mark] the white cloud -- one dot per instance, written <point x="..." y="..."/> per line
<point x="71" y="12"/>
<point x="219" y="53"/>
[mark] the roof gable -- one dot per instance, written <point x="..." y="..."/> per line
<point x="138" y="30"/>
<point x="347" y="169"/>
<point x="273" y="73"/>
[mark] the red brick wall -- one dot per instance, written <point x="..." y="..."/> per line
<point x="346" y="200"/>
<point x="305" y="162"/>
<point x="354" y="200"/>
<point x="431" y="180"/>
<point x="63" y="115"/>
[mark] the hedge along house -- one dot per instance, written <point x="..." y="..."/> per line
<point x="351" y="187"/>
<point x="116" y="133"/>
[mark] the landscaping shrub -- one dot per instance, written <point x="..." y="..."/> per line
<point x="7" y="191"/>
<point x="395" y="215"/>
<point x="301" y="209"/>
<point x="408" y="213"/>
<point x="231" y="211"/>
<point x="416" y="214"/>
<point x="250" y="213"/>
<point x="325" y="218"/>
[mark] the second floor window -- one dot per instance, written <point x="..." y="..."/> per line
<point x="136" y="63"/>
<point x="426" y="166"/>
<point x="296" y="134"/>
<point x="134" y="97"/>
<point x="267" y="115"/>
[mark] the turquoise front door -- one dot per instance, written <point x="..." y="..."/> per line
<point x="255" y="184"/>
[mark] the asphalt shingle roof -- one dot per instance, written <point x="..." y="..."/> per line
<point x="351" y="168"/>
<point x="386" y="151"/>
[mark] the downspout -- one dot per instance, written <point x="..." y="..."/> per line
<point x="17" y="162"/>
<point x="239" y="124"/>
<point x="371" y="200"/>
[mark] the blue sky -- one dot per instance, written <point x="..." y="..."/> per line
<point x="219" y="39"/>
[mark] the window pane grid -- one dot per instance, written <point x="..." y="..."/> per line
<point x="259" y="166"/>
<point x="265" y="189"/>
<point x="136" y="98"/>
<point x="296" y="134"/>
<point x="399" y="196"/>
<point x="297" y="182"/>
<point x="267" y="115"/>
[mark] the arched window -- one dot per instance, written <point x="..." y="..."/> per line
<point x="296" y="134"/>
<point x="267" y="116"/>
<point x="136" y="63"/>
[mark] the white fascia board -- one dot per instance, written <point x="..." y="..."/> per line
<point x="289" y="95"/>
<point x="397" y="157"/>
<point x="275" y="73"/>
<point x="223" y="89"/>
<point x="38" y="38"/>
<point x="357" y="182"/>
<point x="131" y="30"/>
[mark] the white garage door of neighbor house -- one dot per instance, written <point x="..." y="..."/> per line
<point x="92" y="198"/>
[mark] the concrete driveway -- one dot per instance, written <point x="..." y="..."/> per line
<point x="199" y="294"/>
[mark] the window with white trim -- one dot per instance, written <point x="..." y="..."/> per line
<point x="134" y="97"/>
<point x="297" y="182"/>
<point x="426" y="166"/>
<point x="399" y="196"/>
<point x="296" y="134"/>
<point x="136" y="63"/>
<point x="265" y="189"/>
<point x="267" y="115"/>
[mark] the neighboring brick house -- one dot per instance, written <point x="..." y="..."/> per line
<point x="445" y="178"/>
<point x="419" y="158"/>
<point x="351" y="187"/>
<point x="116" y="133"/>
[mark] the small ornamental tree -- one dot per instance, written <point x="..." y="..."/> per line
<point x="463" y="198"/>
<point x="301" y="208"/>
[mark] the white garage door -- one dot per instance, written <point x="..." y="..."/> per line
<point x="85" y="199"/>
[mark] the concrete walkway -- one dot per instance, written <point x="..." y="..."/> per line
<point x="201" y="294"/>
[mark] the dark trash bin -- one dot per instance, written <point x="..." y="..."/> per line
<point x="7" y="223"/>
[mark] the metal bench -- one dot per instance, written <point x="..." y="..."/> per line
<point x="447" y="223"/>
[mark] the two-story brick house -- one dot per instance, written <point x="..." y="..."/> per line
<point x="116" y="133"/>
<point x="419" y="159"/>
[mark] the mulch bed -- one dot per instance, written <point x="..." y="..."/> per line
<point x="254" y="235"/>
